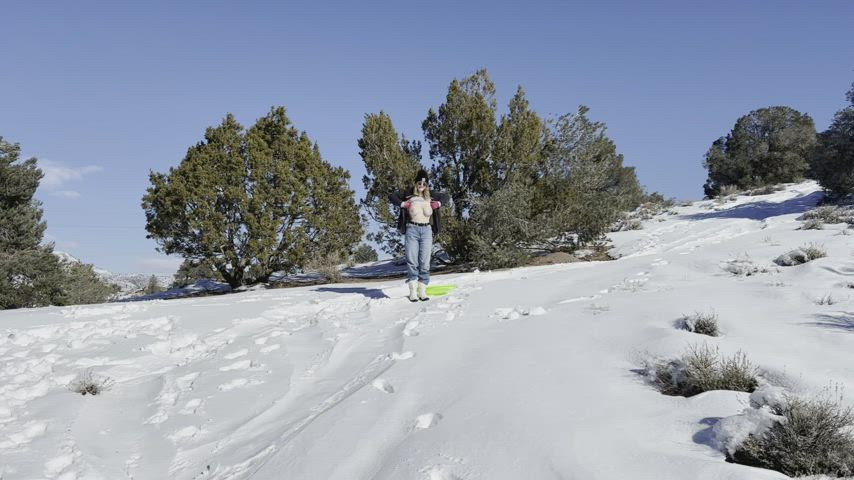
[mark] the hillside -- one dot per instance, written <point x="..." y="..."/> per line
<point x="524" y="373"/>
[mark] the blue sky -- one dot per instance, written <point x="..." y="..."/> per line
<point x="103" y="92"/>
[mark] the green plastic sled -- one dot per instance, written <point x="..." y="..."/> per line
<point x="439" y="290"/>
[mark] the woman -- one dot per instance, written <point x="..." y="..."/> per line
<point x="419" y="221"/>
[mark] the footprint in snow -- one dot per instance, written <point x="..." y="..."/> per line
<point x="239" y="365"/>
<point x="439" y="472"/>
<point x="402" y="355"/>
<point x="427" y="420"/>
<point x="409" y="329"/>
<point x="237" y="354"/>
<point x="383" y="385"/>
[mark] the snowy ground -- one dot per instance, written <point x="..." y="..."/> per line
<point x="526" y="373"/>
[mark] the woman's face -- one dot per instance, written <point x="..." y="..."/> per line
<point x="421" y="185"/>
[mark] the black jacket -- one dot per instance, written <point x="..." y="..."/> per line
<point x="396" y="198"/>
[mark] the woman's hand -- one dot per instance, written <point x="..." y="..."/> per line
<point x="406" y="204"/>
<point x="434" y="204"/>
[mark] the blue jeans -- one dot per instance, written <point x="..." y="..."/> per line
<point x="418" y="246"/>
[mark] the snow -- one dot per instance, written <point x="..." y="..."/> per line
<point x="521" y="373"/>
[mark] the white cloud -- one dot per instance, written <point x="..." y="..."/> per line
<point x="56" y="174"/>
<point x="66" y="193"/>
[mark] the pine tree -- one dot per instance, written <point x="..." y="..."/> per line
<point x="391" y="164"/>
<point x="30" y="274"/>
<point x="765" y="147"/>
<point x="833" y="159"/>
<point x="251" y="203"/>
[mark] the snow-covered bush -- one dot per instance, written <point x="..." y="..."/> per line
<point x="702" y="369"/>
<point x="702" y="323"/>
<point x="798" y="256"/>
<point x="812" y="224"/>
<point x="743" y="267"/>
<point x="796" y="437"/>
<point x="89" y="384"/>
<point x="766" y="190"/>
<point x="828" y="214"/>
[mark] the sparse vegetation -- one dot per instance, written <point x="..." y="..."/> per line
<point x="743" y="267"/>
<point x="89" y="384"/>
<point x="702" y="323"/>
<point x="703" y="369"/>
<point x="826" y="299"/>
<point x="813" y="224"/>
<point x="328" y="266"/>
<point x="827" y="214"/>
<point x="813" y="438"/>
<point x="365" y="253"/>
<point x="798" y="256"/>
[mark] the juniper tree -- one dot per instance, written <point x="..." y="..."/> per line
<point x="30" y="274"/>
<point x="519" y="145"/>
<point x="461" y="137"/>
<point x="191" y="271"/>
<point x="833" y="159"/>
<point x="767" y="146"/>
<point x="252" y="202"/>
<point x="391" y="163"/>
<point x="583" y="186"/>
<point x="82" y="285"/>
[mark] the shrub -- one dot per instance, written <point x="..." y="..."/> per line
<point x="364" y="254"/>
<point x="813" y="438"/>
<point x="702" y="323"/>
<point x="703" y="369"/>
<point x="503" y="228"/>
<point x="328" y="266"/>
<point x="766" y="190"/>
<point x="89" y="384"/>
<point x="825" y="300"/>
<point x="798" y="256"/>
<point x="743" y="267"/>
<point x="827" y="214"/>
<point x="813" y="224"/>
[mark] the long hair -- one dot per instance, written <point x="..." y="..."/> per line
<point x="425" y="195"/>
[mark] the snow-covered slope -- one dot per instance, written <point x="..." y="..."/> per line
<point x="525" y="373"/>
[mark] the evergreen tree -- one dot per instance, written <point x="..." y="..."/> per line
<point x="519" y="145"/>
<point x="251" y="203"/>
<point x="30" y="274"/>
<point x="391" y="163"/>
<point x="82" y="285"/>
<point x="584" y="185"/>
<point x="833" y="160"/>
<point x="765" y="147"/>
<point x="153" y="286"/>
<point x="192" y="271"/>
<point x="461" y="137"/>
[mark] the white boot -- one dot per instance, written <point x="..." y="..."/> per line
<point x="413" y="295"/>
<point x="422" y="291"/>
